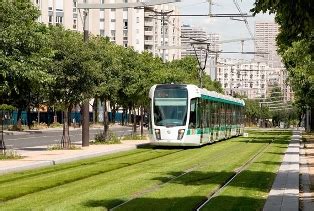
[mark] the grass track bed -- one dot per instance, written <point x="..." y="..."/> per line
<point x="107" y="189"/>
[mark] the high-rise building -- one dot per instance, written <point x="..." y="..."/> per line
<point x="243" y="77"/>
<point x="190" y="35"/>
<point x="265" y="41"/>
<point x="125" y="26"/>
<point x="160" y="32"/>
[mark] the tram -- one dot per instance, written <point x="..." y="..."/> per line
<point x="185" y="115"/>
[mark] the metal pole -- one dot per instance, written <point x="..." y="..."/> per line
<point x="85" y="106"/>
<point x="163" y="37"/>
<point x="200" y="73"/>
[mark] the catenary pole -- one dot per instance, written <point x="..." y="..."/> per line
<point x="85" y="106"/>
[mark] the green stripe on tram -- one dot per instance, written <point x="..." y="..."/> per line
<point x="208" y="130"/>
<point x="220" y="100"/>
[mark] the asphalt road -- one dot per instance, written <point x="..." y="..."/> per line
<point x="54" y="137"/>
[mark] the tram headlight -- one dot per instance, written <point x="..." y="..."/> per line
<point x="180" y="134"/>
<point x="157" y="133"/>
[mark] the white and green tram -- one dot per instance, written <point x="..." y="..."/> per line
<point x="185" y="115"/>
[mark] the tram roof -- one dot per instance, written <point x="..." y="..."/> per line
<point x="215" y="96"/>
<point x="204" y="93"/>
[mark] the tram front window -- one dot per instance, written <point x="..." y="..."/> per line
<point x="170" y="106"/>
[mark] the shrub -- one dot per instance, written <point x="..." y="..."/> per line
<point x="59" y="147"/>
<point x="55" y="124"/>
<point x="41" y="125"/>
<point x="10" y="154"/>
<point x="112" y="138"/>
<point x="16" y="128"/>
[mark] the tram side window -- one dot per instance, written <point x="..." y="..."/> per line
<point x="192" y="122"/>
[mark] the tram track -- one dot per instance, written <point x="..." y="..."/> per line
<point x="232" y="177"/>
<point x="190" y="170"/>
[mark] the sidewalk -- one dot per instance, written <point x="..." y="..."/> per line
<point x="35" y="157"/>
<point x="32" y="131"/>
<point x="284" y="194"/>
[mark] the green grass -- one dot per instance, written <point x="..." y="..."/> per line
<point x="146" y="174"/>
<point x="250" y="189"/>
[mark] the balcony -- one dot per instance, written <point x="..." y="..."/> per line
<point x="148" y="42"/>
<point x="148" y="33"/>
<point x="148" y="23"/>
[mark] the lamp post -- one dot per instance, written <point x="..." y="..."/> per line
<point x="85" y="106"/>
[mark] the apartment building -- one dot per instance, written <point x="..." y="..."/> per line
<point x="190" y="35"/>
<point x="126" y="26"/>
<point x="162" y="34"/>
<point x="243" y="77"/>
<point x="265" y="37"/>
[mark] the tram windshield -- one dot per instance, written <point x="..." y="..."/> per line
<point x="170" y="106"/>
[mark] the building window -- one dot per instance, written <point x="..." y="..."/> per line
<point x="125" y="25"/>
<point x="113" y="10"/>
<point x="50" y="18"/>
<point x="137" y="41"/>
<point x="74" y="23"/>
<point x="113" y="20"/>
<point x="137" y="19"/>
<point x="102" y="32"/>
<point x="59" y="19"/>
<point x="113" y="35"/>
<point x="102" y="20"/>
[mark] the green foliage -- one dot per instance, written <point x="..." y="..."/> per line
<point x="52" y="147"/>
<point x="300" y="66"/>
<point x="75" y="71"/>
<point x="10" y="154"/>
<point x="5" y="107"/>
<point x="55" y="125"/>
<point x="24" y="54"/>
<point x="295" y="42"/>
<point x="110" y="138"/>
<point x="294" y="17"/>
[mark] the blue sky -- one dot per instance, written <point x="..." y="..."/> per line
<point x="228" y="29"/>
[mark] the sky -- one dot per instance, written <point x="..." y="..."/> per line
<point x="227" y="28"/>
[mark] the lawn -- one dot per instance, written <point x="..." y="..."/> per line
<point x="159" y="179"/>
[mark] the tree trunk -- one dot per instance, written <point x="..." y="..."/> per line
<point x="106" y="125"/>
<point x="29" y="122"/>
<point x="65" y="141"/>
<point x="113" y="114"/>
<point x="134" y="120"/>
<point x="123" y="117"/>
<point x="312" y="119"/>
<point x="19" y="119"/>
<point x="95" y="113"/>
<point x="129" y="115"/>
<point x="142" y="121"/>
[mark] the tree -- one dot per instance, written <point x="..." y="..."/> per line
<point x="295" y="42"/>
<point x="75" y="72"/>
<point x="109" y="56"/>
<point x="24" y="54"/>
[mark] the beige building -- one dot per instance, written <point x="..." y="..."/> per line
<point x="265" y="37"/>
<point x="192" y="34"/>
<point x="161" y="43"/>
<point x="243" y="77"/>
<point x="123" y="26"/>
